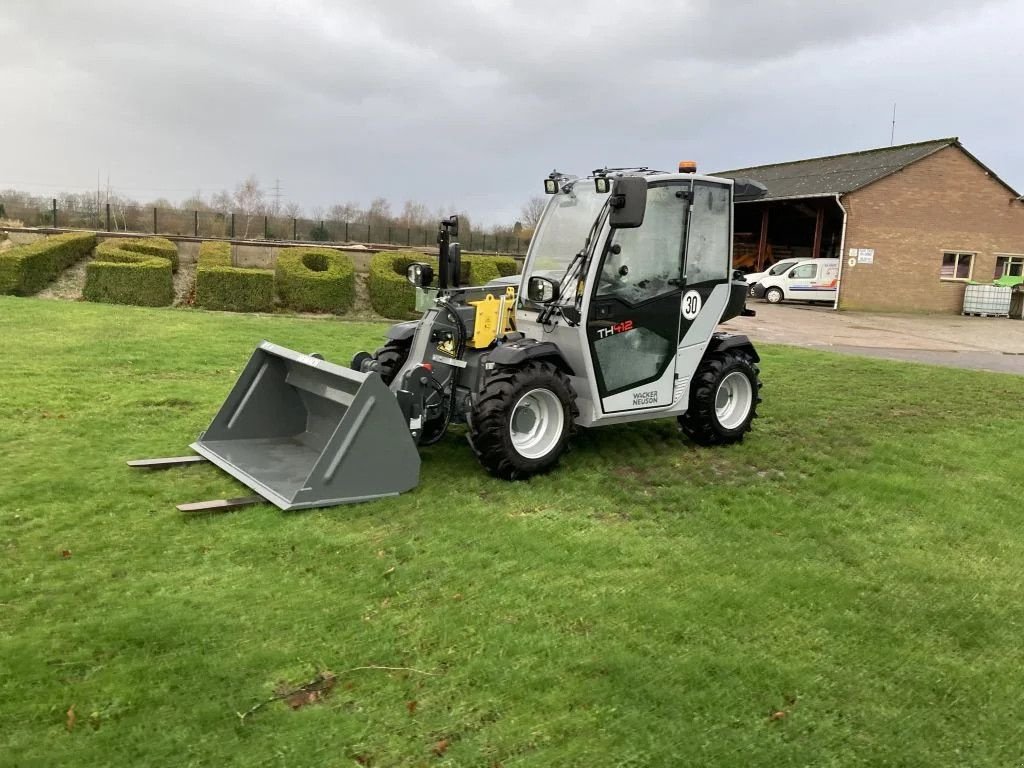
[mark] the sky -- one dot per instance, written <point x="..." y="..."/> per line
<point x="468" y="104"/>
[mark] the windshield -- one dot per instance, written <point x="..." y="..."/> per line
<point x="564" y="228"/>
<point x="781" y="267"/>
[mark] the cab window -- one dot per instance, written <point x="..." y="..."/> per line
<point x="645" y="262"/>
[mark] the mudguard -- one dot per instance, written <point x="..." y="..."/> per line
<point x="722" y="341"/>
<point x="403" y="331"/>
<point x="517" y="352"/>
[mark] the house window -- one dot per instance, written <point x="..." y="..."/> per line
<point x="956" y="265"/>
<point x="1009" y="266"/>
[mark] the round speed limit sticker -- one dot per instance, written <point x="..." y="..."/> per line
<point x="691" y="305"/>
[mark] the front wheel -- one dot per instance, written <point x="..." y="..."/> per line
<point x="387" y="361"/>
<point x="774" y="295"/>
<point x="723" y="399"/>
<point x="522" y="420"/>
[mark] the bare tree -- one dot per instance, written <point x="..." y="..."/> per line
<point x="532" y="211"/>
<point x="350" y="212"/>
<point x="293" y="211"/>
<point x="414" y="215"/>
<point x="221" y="202"/>
<point x="379" y="211"/>
<point x="250" y="201"/>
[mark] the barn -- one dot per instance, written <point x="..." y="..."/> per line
<point x="912" y="225"/>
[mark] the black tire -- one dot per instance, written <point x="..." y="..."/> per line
<point x="490" y="422"/>
<point x="701" y="422"/>
<point x="774" y="295"/>
<point x="750" y="290"/>
<point x="390" y="358"/>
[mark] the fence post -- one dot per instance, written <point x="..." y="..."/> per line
<point x="346" y="231"/>
<point x="408" y="236"/>
<point x="232" y="234"/>
<point x="389" y="235"/>
<point x="108" y="217"/>
<point x="154" y="219"/>
<point x="295" y="229"/>
<point x="323" y="232"/>
<point x="368" y="232"/>
<point x="195" y="223"/>
<point x="55" y="213"/>
<point x="266" y="230"/>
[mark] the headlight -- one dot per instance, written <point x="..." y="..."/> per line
<point x="420" y="275"/>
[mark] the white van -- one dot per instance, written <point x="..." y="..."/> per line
<point x="754" y="278"/>
<point x="807" y="280"/>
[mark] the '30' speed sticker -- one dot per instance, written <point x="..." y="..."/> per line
<point x="691" y="305"/>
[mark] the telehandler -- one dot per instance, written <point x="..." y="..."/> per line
<point x="612" y="320"/>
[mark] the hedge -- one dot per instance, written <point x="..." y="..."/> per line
<point x="26" y="269"/>
<point x="132" y="272"/>
<point x="392" y="296"/>
<point x="148" y="246"/>
<point x="483" y="269"/>
<point x="219" y="285"/>
<point x="316" y="279"/>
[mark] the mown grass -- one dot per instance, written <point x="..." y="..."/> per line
<point x="841" y="589"/>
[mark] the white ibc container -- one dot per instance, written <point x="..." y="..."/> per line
<point x="990" y="300"/>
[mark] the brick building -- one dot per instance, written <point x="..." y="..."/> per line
<point x="911" y="224"/>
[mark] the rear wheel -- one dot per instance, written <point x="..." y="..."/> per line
<point x="723" y="399"/>
<point x="522" y="420"/>
<point x="774" y="295"/>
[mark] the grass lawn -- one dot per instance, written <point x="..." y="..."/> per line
<point x="844" y="588"/>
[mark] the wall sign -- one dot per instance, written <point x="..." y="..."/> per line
<point x="866" y="256"/>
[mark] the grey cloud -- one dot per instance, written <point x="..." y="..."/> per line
<point x="470" y="103"/>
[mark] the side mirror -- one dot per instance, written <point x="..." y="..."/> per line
<point x="628" y="202"/>
<point x="541" y="290"/>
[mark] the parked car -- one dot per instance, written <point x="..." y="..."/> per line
<point x="807" y="280"/>
<point x="776" y="269"/>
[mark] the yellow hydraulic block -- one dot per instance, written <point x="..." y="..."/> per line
<point x="493" y="318"/>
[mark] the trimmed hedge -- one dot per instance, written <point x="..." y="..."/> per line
<point x="132" y="272"/>
<point x="28" y="268"/>
<point x="316" y="279"/>
<point x="482" y="269"/>
<point x="392" y="296"/>
<point x="221" y="286"/>
<point x="149" y="246"/>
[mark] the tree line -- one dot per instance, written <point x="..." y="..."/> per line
<point x="250" y="201"/>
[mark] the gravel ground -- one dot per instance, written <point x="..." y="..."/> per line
<point x="68" y="285"/>
<point x="184" y="283"/>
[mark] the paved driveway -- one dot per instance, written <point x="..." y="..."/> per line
<point x="983" y="343"/>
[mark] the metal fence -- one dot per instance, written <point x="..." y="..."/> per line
<point x="240" y="226"/>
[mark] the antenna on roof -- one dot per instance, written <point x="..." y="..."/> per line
<point x="892" y="136"/>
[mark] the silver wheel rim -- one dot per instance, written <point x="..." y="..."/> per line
<point x="733" y="399"/>
<point x="774" y="296"/>
<point x="536" y="423"/>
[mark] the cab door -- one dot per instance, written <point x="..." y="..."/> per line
<point x="633" y="318"/>
<point x="801" y="280"/>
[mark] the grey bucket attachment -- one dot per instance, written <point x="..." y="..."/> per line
<point x="303" y="432"/>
